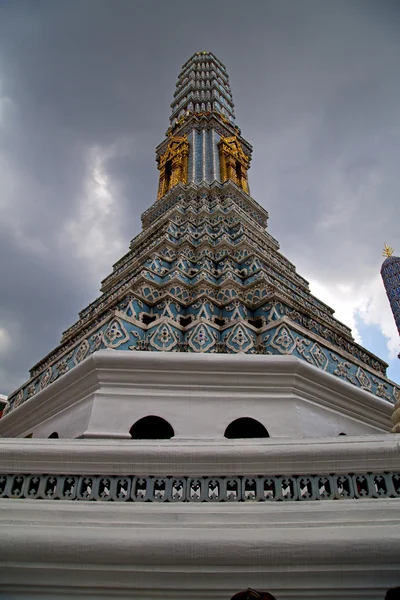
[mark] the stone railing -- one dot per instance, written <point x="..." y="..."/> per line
<point x="201" y="489"/>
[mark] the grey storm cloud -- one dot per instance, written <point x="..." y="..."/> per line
<point x="85" y="88"/>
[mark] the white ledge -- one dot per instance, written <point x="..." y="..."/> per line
<point x="168" y="376"/>
<point x="195" y="458"/>
<point x="186" y="550"/>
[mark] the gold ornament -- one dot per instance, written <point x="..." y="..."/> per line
<point x="387" y="251"/>
<point x="234" y="162"/>
<point x="173" y="165"/>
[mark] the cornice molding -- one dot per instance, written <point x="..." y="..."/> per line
<point x="124" y="371"/>
<point x="275" y="457"/>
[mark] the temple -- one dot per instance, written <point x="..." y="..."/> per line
<point x="218" y="427"/>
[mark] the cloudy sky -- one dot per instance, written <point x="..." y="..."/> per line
<point x="85" y="88"/>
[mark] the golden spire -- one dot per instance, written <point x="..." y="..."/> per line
<point x="387" y="250"/>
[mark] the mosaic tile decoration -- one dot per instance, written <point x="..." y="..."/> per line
<point x="205" y="275"/>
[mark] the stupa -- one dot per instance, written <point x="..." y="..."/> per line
<point x="390" y="273"/>
<point x="220" y="429"/>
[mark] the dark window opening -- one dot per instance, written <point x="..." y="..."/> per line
<point x="256" y="322"/>
<point x="219" y="321"/>
<point x="184" y="321"/>
<point x="168" y="174"/>
<point x="238" y="173"/>
<point x="151" y="428"/>
<point x="147" y="319"/>
<point x="54" y="435"/>
<point x="342" y="433"/>
<point x="245" y="427"/>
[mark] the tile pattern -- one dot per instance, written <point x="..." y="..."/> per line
<point x="205" y="275"/>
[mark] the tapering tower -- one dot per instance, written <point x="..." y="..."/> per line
<point x="204" y="332"/>
<point x="203" y="143"/>
<point x="390" y="273"/>
<point x="204" y="276"/>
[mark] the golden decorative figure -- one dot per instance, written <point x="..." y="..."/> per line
<point x="223" y="117"/>
<point x="387" y="250"/>
<point x="234" y="162"/>
<point x="173" y="165"/>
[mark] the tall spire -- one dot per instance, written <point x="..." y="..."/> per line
<point x="203" y="86"/>
<point x="204" y="275"/>
<point x="203" y="144"/>
<point x="390" y="273"/>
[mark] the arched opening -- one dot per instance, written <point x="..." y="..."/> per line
<point x="342" y="433"/>
<point x="54" y="435"/>
<point x="151" y="428"/>
<point x="250" y="594"/>
<point x="245" y="427"/>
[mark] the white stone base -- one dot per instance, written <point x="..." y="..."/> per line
<point x="319" y="550"/>
<point x="199" y="395"/>
<point x="322" y="549"/>
<point x="297" y="549"/>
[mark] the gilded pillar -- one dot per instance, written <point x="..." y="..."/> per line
<point x="233" y="162"/>
<point x="231" y="168"/>
<point x="173" y="165"/>
<point x="243" y="179"/>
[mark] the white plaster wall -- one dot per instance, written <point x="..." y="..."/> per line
<point x="71" y="422"/>
<point x="202" y="415"/>
<point x="317" y="421"/>
<point x="199" y="415"/>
